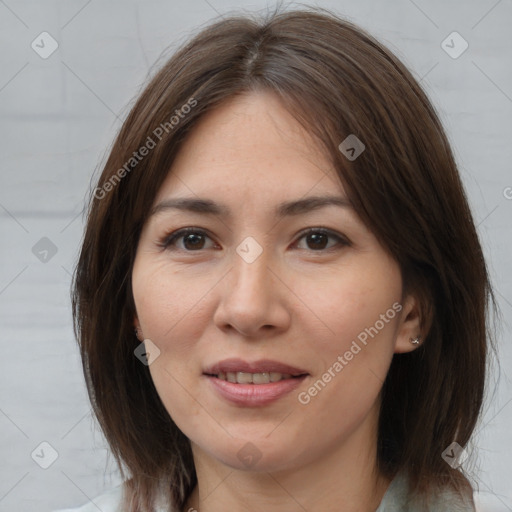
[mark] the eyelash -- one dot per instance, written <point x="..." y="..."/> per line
<point x="169" y="239"/>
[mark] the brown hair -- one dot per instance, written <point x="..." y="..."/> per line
<point x="336" y="80"/>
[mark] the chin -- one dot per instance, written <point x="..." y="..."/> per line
<point x="251" y="453"/>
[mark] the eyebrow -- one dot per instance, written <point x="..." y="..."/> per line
<point x="286" y="209"/>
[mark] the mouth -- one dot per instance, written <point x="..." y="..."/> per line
<point x="238" y="371"/>
<point x="253" y="384"/>
<point x="253" y="378"/>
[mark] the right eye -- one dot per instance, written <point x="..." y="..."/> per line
<point x="193" y="240"/>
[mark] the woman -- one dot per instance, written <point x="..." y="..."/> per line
<point x="282" y="222"/>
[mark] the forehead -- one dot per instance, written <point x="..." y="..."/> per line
<point x="252" y="142"/>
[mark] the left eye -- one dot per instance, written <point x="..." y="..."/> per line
<point x="194" y="239"/>
<point x="319" y="239"/>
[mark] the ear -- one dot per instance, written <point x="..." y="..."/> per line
<point x="137" y="328"/>
<point x="410" y="326"/>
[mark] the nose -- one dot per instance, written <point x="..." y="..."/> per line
<point x="253" y="299"/>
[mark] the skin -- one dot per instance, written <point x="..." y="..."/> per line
<point x="302" y="302"/>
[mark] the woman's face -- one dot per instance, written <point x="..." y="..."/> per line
<point x="247" y="290"/>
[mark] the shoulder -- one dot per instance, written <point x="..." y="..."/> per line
<point x="398" y="499"/>
<point x="109" y="501"/>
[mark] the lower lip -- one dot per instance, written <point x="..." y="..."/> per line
<point x="254" y="394"/>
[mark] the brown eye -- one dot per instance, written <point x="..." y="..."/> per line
<point x="192" y="240"/>
<point x="318" y="239"/>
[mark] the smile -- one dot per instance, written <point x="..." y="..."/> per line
<point x="253" y="378"/>
<point x="253" y="383"/>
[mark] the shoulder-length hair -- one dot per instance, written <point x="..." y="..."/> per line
<point x="336" y="80"/>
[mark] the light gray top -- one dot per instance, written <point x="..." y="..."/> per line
<point x="394" y="500"/>
<point x="397" y="499"/>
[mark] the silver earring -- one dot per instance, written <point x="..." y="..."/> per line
<point x="136" y="330"/>
<point x="415" y="341"/>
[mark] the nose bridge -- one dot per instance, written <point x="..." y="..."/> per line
<point x="250" y="299"/>
<point x="251" y="277"/>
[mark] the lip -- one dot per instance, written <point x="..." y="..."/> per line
<point x="260" y="366"/>
<point x="253" y="395"/>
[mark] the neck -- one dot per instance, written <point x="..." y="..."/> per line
<point x="344" y="479"/>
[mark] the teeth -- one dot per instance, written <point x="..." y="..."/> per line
<point x="244" y="378"/>
<point x="253" y="378"/>
<point x="260" y="378"/>
<point x="274" y="376"/>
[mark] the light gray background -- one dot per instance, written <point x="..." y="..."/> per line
<point x="58" y="118"/>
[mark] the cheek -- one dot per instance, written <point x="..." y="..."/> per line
<point x="171" y="309"/>
<point x="349" y="304"/>
<point x="353" y="364"/>
<point x="359" y="319"/>
<point x="168" y="303"/>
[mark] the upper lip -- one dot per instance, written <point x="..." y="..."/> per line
<point x="260" y="366"/>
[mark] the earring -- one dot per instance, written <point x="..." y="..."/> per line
<point x="136" y="330"/>
<point x="415" y="341"/>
